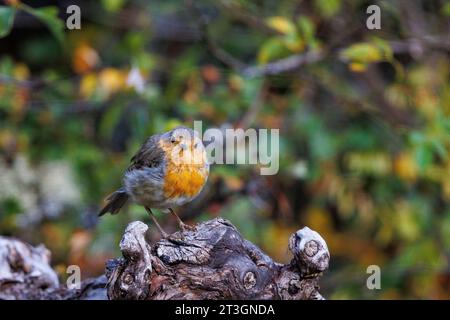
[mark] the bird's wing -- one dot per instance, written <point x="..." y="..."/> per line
<point x="150" y="155"/>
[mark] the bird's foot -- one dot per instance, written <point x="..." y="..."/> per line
<point x="164" y="235"/>
<point x="176" y="238"/>
<point x="187" y="227"/>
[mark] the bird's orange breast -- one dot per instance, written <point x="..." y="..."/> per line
<point x="183" y="181"/>
<point x="183" y="178"/>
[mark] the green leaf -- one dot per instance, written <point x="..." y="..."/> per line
<point x="307" y="28"/>
<point x="446" y="9"/>
<point x="424" y="156"/>
<point x="6" y="20"/>
<point x="384" y="47"/>
<point x="113" y="5"/>
<point x="439" y="148"/>
<point x="327" y="8"/>
<point x="272" y="49"/>
<point x="110" y="120"/>
<point x="416" y="137"/>
<point x="49" y="16"/>
<point x="362" y="52"/>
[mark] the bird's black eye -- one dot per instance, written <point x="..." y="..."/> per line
<point x="173" y="140"/>
<point x="195" y="145"/>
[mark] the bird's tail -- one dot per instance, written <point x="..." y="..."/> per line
<point x="115" y="201"/>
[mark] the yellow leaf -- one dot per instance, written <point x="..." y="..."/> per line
<point x="405" y="221"/>
<point x="405" y="166"/>
<point x="88" y="85"/>
<point x="235" y="82"/>
<point x="357" y="67"/>
<point x="21" y="72"/>
<point x="281" y="24"/>
<point x="112" y="80"/>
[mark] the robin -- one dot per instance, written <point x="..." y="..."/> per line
<point x="169" y="170"/>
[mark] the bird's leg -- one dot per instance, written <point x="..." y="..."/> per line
<point x="182" y="225"/>
<point x="163" y="233"/>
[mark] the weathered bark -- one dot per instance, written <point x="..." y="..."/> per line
<point x="214" y="262"/>
<point x="211" y="262"/>
<point x="25" y="272"/>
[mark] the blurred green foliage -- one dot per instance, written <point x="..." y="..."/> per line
<point x="364" y="124"/>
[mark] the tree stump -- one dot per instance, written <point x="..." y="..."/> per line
<point x="211" y="262"/>
<point x="214" y="262"/>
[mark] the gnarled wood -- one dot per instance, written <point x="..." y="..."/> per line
<point x="211" y="262"/>
<point x="214" y="262"/>
<point x="25" y="272"/>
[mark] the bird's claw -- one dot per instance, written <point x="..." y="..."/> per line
<point x="187" y="227"/>
<point x="176" y="238"/>
<point x="164" y="235"/>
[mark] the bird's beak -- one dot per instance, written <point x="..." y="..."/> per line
<point x="183" y="146"/>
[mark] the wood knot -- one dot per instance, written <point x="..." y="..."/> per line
<point x="294" y="287"/>
<point x="311" y="248"/>
<point x="310" y="251"/>
<point x="249" y="280"/>
<point x="128" y="279"/>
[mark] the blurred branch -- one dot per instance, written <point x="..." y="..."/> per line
<point x="283" y="65"/>
<point x="412" y="46"/>
<point x="73" y="107"/>
<point x="215" y="49"/>
<point x="416" y="46"/>
<point x="234" y="10"/>
<point x="30" y="84"/>
<point x="412" y="18"/>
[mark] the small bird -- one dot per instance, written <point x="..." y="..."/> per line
<point x="170" y="169"/>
